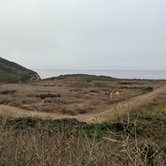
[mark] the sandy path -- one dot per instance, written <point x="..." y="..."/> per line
<point x="122" y="107"/>
<point x="109" y="114"/>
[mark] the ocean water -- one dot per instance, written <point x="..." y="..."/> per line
<point x="128" y="74"/>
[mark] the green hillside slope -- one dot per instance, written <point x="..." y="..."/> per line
<point x="11" y="72"/>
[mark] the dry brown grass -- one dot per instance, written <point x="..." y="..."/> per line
<point x="32" y="101"/>
<point x="78" y="94"/>
<point x="140" y="143"/>
<point x="35" y="148"/>
<point x="86" y="100"/>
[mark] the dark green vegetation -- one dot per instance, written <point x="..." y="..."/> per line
<point x="11" y="72"/>
<point x="135" y="139"/>
<point x="72" y="126"/>
<point x="83" y="76"/>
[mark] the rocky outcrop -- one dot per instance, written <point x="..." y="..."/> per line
<point x="11" y="72"/>
<point x="35" y="77"/>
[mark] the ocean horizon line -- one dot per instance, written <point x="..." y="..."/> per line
<point x="124" y="74"/>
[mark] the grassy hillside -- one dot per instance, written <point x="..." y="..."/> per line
<point x="11" y="72"/>
<point x="86" y="77"/>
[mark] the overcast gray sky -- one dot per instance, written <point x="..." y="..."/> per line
<point x="115" y="34"/>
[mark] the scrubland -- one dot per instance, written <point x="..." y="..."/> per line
<point x="134" y="138"/>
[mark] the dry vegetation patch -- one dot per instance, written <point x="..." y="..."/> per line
<point x="73" y="94"/>
<point x="69" y="142"/>
<point x="135" y="138"/>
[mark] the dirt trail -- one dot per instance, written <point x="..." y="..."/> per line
<point x="109" y="114"/>
<point x="123" y="107"/>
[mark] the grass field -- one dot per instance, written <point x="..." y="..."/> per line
<point x="73" y="95"/>
<point x="33" y="130"/>
<point x="136" y="139"/>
